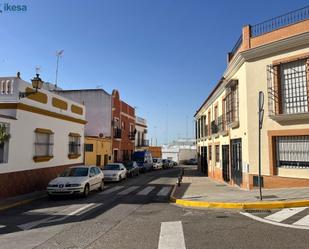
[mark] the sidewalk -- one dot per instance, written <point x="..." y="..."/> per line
<point x="200" y="191"/>
<point x="21" y="199"/>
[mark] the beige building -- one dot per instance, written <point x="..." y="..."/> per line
<point x="46" y="136"/>
<point x="272" y="57"/>
<point x="98" y="151"/>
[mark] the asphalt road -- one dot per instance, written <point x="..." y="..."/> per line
<point x="136" y="214"/>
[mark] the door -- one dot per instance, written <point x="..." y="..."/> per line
<point x="98" y="161"/>
<point x="204" y="163"/>
<point x="105" y="159"/>
<point x="115" y="156"/>
<point x="236" y="158"/>
<point x="225" y="163"/>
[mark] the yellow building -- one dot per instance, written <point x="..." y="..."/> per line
<point x="97" y="151"/>
<point x="272" y="57"/>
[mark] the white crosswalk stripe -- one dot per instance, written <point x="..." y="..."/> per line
<point x="164" y="191"/>
<point x="111" y="190"/>
<point x="284" y="214"/>
<point x="303" y="221"/>
<point x="171" y="236"/>
<point x="146" y="190"/>
<point x="284" y="217"/>
<point x="128" y="190"/>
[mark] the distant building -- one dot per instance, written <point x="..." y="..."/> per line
<point x="141" y="141"/>
<point x="98" y="145"/>
<point x="46" y="136"/>
<point x="123" y="129"/>
<point x="180" y="150"/>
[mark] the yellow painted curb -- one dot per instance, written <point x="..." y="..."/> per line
<point x="239" y="205"/>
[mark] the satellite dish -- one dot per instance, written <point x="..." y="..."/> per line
<point x="101" y="135"/>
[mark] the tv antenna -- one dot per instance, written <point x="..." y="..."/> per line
<point x="59" y="54"/>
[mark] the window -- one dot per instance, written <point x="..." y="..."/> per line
<point x="44" y="143"/>
<point x="232" y="102"/>
<point x="292" y="151"/>
<point x="209" y="152"/>
<point x="294" y="87"/>
<point x="4" y="146"/>
<point x="217" y="153"/>
<point x="74" y="144"/>
<point x="88" y="147"/>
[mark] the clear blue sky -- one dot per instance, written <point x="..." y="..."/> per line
<point x="164" y="56"/>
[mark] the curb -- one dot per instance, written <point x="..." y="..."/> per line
<point x="238" y="205"/>
<point x="19" y="203"/>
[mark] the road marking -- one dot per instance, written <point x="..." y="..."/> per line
<point x="111" y="190"/>
<point x="284" y="214"/>
<point x="145" y="191"/>
<point x="273" y="222"/>
<point x="52" y="219"/>
<point x="171" y="236"/>
<point x="303" y="221"/>
<point x="128" y="190"/>
<point x="164" y="191"/>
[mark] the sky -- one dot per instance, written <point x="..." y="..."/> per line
<point x="164" y="56"/>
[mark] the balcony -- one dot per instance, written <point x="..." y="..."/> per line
<point x="132" y="135"/>
<point x="222" y="128"/>
<point x="143" y="143"/>
<point x="214" y="127"/>
<point x="117" y="133"/>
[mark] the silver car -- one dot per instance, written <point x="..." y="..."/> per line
<point x="114" y="172"/>
<point x="77" y="180"/>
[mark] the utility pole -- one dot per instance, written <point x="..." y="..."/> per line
<point x="261" y="115"/>
<point x="59" y="54"/>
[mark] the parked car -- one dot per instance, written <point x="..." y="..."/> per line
<point x="170" y="163"/>
<point x="143" y="160"/>
<point x="191" y="161"/>
<point x="157" y="163"/>
<point x="165" y="164"/>
<point x="114" y="172"/>
<point x="132" y="168"/>
<point x="77" y="180"/>
<point x="174" y="163"/>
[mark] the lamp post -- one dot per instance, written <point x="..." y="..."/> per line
<point x="37" y="83"/>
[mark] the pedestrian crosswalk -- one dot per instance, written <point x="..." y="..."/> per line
<point x="141" y="190"/>
<point x="287" y="217"/>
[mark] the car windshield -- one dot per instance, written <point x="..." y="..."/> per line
<point x="129" y="165"/>
<point x="75" y="172"/>
<point x="112" y="167"/>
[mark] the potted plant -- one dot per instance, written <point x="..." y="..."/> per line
<point x="4" y="136"/>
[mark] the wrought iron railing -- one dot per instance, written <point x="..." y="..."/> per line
<point x="214" y="127"/>
<point x="117" y="133"/>
<point x="221" y="123"/>
<point x="236" y="47"/>
<point x="132" y="135"/>
<point x="280" y="22"/>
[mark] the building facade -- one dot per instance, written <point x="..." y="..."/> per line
<point x="141" y="141"/>
<point x="123" y="129"/>
<point x="45" y="135"/>
<point x="271" y="57"/>
<point x="98" y="130"/>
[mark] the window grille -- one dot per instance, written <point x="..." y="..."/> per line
<point x="292" y="151"/>
<point x="209" y="152"/>
<point x="4" y="147"/>
<point x="232" y="104"/>
<point x="217" y="153"/>
<point x="294" y="87"/>
<point x="44" y="143"/>
<point x="74" y="145"/>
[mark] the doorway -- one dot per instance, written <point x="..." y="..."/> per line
<point x="236" y="158"/>
<point x="226" y="162"/>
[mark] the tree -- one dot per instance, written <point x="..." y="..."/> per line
<point x="4" y="136"/>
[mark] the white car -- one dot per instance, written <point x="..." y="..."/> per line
<point x="77" y="180"/>
<point x="157" y="163"/>
<point x="114" y="172"/>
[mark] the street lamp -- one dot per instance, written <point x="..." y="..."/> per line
<point x="37" y="83"/>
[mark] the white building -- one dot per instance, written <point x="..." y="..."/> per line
<point x="180" y="150"/>
<point x="141" y="133"/>
<point x="46" y="136"/>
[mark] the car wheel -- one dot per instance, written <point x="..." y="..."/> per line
<point x="101" y="186"/>
<point x="86" y="191"/>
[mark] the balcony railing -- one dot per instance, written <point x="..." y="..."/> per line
<point x="221" y="123"/>
<point x="214" y="127"/>
<point x="132" y="135"/>
<point x="117" y="133"/>
<point x="143" y="143"/>
<point x="236" y="47"/>
<point x="280" y="22"/>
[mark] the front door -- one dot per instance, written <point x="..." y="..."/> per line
<point x="236" y="158"/>
<point x="105" y="159"/>
<point x="204" y="163"/>
<point x="98" y="161"/>
<point x="225" y="163"/>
